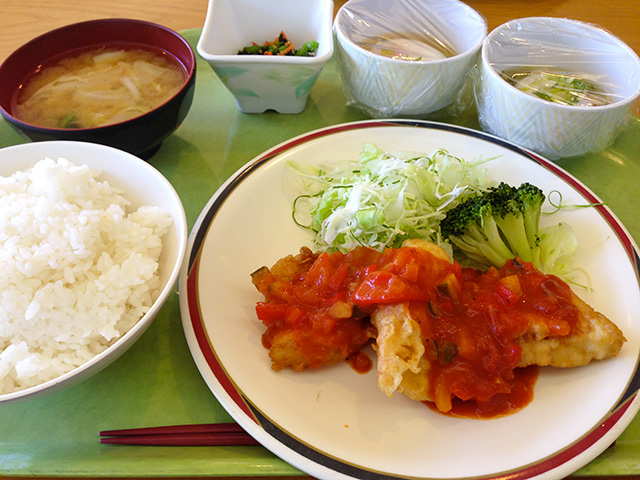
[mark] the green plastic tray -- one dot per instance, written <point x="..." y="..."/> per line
<point x="156" y="381"/>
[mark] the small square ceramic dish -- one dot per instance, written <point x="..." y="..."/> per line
<point x="557" y="86"/>
<point x="267" y="82"/>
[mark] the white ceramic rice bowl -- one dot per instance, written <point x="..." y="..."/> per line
<point x="551" y="129"/>
<point x="143" y="185"/>
<point x="386" y="87"/>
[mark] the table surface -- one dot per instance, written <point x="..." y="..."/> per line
<point x="21" y="20"/>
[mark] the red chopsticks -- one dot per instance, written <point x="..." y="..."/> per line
<point x="210" y="434"/>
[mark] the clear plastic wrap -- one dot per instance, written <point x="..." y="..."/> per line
<point x="557" y="86"/>
<point x="407" y="57"/>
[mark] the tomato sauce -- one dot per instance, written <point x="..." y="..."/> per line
<point x="307" y="301"/>
<point x="500" y="404"/>
<point x="470" y="321"/>
<point x="360" y="362"/>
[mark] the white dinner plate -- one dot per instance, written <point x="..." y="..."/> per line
<point x="334" y="423"/>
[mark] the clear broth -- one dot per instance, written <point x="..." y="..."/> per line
<point x="407" y="47"/>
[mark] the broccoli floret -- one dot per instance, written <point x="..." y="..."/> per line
<point x="497" y="225"/>
<point x="531" y="199"/>
<point x="471" y="227"/>
<point x="508" y="212"/>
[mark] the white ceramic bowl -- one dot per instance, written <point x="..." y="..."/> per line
<point x="388" y="87"/>
<point x="258" y="82"/>
<point x="143" y="185"/>
<point x="552" y="129"/>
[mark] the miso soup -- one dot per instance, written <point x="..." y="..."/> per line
<point x="99" y="87"/>
<point x="562" y="88"/>
<point x="409" y="48"/>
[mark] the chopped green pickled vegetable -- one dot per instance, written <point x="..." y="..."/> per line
<point x="280" y="46"/>
<point x="308" y="49"/>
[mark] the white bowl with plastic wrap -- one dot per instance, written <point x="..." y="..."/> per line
<point x="443" y="40"/>
<point x="560" y="46"/>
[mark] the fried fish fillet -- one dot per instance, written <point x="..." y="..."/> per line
<point x="316" y="342"/>
<point x="403" y="363"/>
<point x="597" y="338"/>
<point x="440" y="331"/>
<point x="300" y="349"/>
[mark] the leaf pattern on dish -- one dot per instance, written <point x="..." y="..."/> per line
<point x="245" y="92"/>
<point x="225" y="73"/>
<point x="305" y="87"/>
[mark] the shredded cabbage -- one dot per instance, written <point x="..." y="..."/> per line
<point x="558" y="248"/>
<point x="384" y="198"/>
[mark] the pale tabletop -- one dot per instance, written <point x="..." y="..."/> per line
<point x="22" y="20"/>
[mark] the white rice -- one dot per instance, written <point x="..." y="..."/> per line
<point x="77" y="270"/>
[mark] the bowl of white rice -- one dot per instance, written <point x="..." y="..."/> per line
<point x="91" y="243"/>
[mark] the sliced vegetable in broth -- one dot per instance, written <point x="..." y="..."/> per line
<point x="99" y="87"/>
<point x="562" y="88"/>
